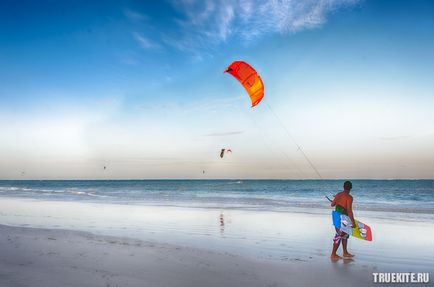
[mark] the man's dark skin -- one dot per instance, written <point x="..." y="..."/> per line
<point x="345" y="200"/>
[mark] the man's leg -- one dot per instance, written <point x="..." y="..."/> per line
<point x="344" y="247"/>
<point x="336" y="243"/>
<point x="334" y="250"/>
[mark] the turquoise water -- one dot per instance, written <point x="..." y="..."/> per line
<point x="408" y="196"/>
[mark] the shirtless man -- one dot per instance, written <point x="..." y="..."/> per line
<point x="343" y="202"/>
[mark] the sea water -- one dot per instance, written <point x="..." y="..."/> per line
<point x="405" y="196"/>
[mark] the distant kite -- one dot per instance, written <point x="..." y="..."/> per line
<point x="224" y="151"/>
<point x="249" y="78"/>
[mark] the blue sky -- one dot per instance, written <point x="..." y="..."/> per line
<point x="139" y="87"/>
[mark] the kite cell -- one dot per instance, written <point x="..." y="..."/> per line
<point x="249" y="78"/>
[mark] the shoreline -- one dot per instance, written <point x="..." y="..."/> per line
<point x="244" y="232"/>
<point x="390" y="196"/>
<point x="298" y="207"/>
<point x="55" y="243"/>
<point x="46" y="257"/>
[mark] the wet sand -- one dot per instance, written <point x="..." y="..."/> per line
<point x="54" y="243"/>
<point x="44" y="257"/>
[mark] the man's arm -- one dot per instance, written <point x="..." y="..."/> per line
<point x="333" y="203"/>
<point x="350" y="210"/>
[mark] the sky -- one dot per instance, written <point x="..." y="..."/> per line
<point x="138" y="87"/>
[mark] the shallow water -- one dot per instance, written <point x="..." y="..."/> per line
<point x="296" y="236"/>
<point x="402" y="196"/>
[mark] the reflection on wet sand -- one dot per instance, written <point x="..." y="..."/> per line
<point x="259" y="234"/>
<point x="222" y="223"/>
<point x="347" y="260"/>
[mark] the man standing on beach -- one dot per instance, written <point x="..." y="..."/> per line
<point x="344" y="204"/>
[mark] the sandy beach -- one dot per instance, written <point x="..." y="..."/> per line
<point x="43" y="257"/>
<point x="55" y="243"/>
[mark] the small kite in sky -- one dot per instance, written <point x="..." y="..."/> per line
<point x="224" y="151"/>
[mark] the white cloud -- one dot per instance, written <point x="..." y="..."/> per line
<point x="220" y="134"/>
<point x="205" y="21"/>
<point x="144" y="42"/>
<point x="134" y="15"/>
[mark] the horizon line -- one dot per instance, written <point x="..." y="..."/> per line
<point x="205" y="179"/>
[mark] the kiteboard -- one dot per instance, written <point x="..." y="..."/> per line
<point x="343" y="223"/>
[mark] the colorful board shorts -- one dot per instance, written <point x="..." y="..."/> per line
<point x="339" y="236"/>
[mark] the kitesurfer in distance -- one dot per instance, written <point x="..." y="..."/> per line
<point x="343" y="202"/>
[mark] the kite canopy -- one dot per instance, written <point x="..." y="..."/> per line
<point x="224" y="151"/>
<point x="249" y="78"/>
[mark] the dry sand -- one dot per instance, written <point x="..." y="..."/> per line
<point x="43" y="258"/>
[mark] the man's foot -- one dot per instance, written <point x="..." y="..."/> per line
<point x="335" y="257"/>
<point x="348" y="255"/>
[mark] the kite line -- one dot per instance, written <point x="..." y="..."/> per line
<point x="293" y="140"/>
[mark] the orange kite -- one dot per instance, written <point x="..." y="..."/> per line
<point x="249" y="78"/>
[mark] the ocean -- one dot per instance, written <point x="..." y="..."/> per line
<point x="404" y="196"/>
